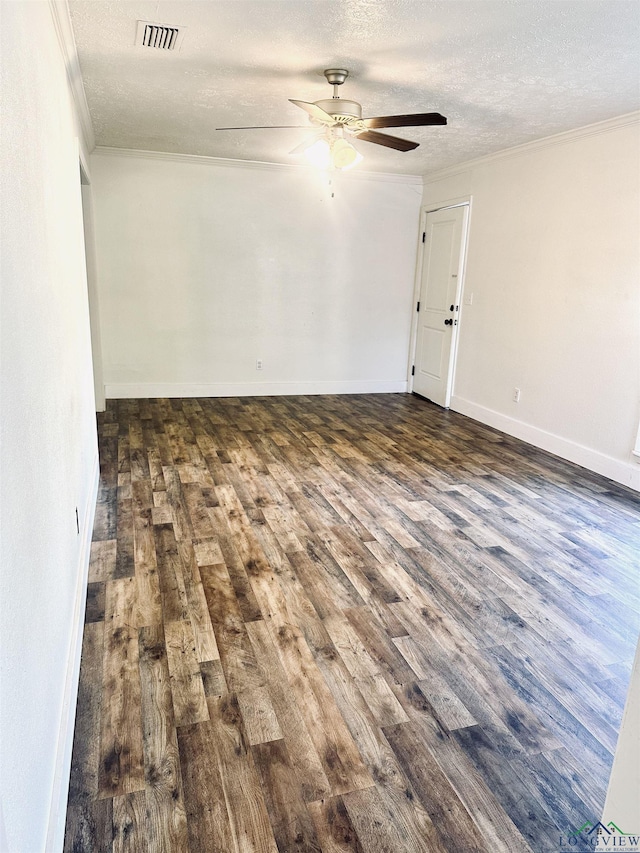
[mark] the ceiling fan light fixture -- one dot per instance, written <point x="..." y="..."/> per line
<point x="344" y="155"/>
<point x="319" y="154"/>
<point x="332" y="117"/>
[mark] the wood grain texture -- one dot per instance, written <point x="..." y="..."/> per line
<point x="121" y="761"/>
<point x="292" y="826"/>
<point x="187" y="690"/>
<point x="102" y="563"/>
<point x="89" y="827"/>
<point x="356" y="623"/>
<point x="243" y="793"/>
<point x="334" y="830"/>
<point x="86" y="815"/>
<point x="208" y="822"/>
<point x="129" y="823"/>
<point x="260" y="720"/>
<point x="302" y="751"/>
<point x="166" y="824"/>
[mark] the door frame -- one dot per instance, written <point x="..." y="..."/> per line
<point x="425" y="210"/>
<point x="88" y="227"/>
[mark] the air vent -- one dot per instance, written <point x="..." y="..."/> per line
<point x="159" y="36"/>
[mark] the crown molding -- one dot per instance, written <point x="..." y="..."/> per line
<point x="203" y="160"/>
<point x="564" y="138"/>
<point x="64" y="31"/>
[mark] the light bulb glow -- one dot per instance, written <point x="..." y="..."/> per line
<point x="319" y="154"/>
<point x="344" y="156"/>
<point x="333" y="152"/>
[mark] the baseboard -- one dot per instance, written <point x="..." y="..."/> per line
<point x="628" y="474"/>
<point x="145" y="390"/>
<point x="57" y="814"/>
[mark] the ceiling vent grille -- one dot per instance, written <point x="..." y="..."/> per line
<point x="159" y="36"/>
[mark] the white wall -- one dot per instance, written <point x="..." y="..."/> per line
<point x="622" y="805"/>
<point x="553" y="265"/>
<point x="49" y="451"/>
<point x="206" y="267"/>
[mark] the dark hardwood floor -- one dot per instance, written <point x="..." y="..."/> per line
<point x="346" y="623"/>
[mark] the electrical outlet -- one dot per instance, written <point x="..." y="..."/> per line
<point x="468" y="299"/>
<point x="516" y="395"/>
<point x="258" y="364"/>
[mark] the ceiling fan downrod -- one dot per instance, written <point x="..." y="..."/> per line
<point x="336" y="77"/>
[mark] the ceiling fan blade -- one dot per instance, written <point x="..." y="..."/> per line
<point x="387" y="140"/>
<point x="269" y="127"/>
<point x="415" y="120"/>
<point x="314" y="111"/>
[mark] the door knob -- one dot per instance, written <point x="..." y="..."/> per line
<point x="448" y="322"/>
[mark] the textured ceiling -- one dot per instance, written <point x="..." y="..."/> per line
<point x="503" y="72"/>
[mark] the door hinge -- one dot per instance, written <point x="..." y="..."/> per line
<point x="413" y="370"/>
<point x="424" y="236"/>
<point x="418" y="307"/>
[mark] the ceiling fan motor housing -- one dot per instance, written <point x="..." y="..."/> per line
<point x="340" y="109"/>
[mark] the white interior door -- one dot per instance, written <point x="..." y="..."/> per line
<point x="438" y="311"/>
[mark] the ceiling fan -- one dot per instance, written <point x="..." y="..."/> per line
<point x="334" y="117"/>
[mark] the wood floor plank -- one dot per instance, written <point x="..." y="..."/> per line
<point x="89" y="827"/>
<point x="454" y="825"/>
<point x="334" y="745"/>
<point x="346" y="622"/>
<point x="379" y="645"/>
<point x="482" y="689"/>
<point x="213" y="678"/>
<point x="105" y="521"/>
<point x="139" y="461"/>
<point x="499" y="831"/>
<point x="207" y="552"/>
<point x="339" y="755"/>
<point x="518" y="799"/>
<point x="102" y="562"/>
<point x="292" y="826"/>
<point x="258" y="715"/>
<point x="175" y="607"/>
<point x="374" y="823"/>
<point x="590" y="705"/>
<point x="334" y="829"/>
<point x="148" y="598"/>
<point x="187" y="690"/>
<point x="154" y="458"/>
<point x="198" y="508"/>
<point x="83" y="784"/>
<point x="302" y="751"/>
<point x="124" y="552"/>
<point x="166" y="822"/>
<point x="95" y="602"/>
<point x="367" y="676"/>
<point x="121" y="769"/>
<point x="208" y="822"/>
<point x="449" y="708"/>
<point x="328" y="588"/>
<point x="242" y="588"/>
<point x="400" y="799"/>
<point x="203" y="634"/>
<point x="244" y="795"/>
<point x="239" y="665"/>
<point x="129" y="832"/>
<point x="363" y="571"/>
<point x="175" y="498"/>
<point x="569" y="731"/>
